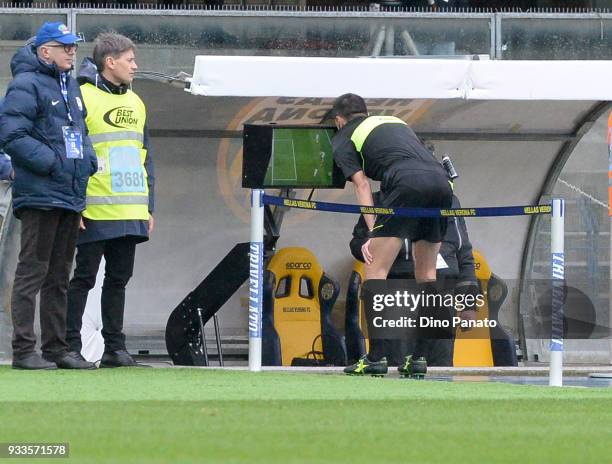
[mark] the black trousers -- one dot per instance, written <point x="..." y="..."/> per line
<point x="48" y="241"/>
<point x="119" y="255"/>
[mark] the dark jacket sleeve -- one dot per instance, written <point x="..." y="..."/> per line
<point x="150" y="169"/>
<point x="360" y="236"/>
<point x="465" y="258"/>
<point x="88" y="146"/>
<point x="93" y="165"/>
<point x="17" y="117"/>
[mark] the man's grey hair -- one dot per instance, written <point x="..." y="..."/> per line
<point x="110" y="44"/>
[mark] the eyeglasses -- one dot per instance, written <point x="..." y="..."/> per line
<point x="67" y="48"/>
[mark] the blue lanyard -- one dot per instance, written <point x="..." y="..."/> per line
<point x="64" y="90"/>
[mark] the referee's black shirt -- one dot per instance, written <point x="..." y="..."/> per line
<point x="389" y="147"/>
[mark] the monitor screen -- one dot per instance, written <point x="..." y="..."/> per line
<point x="284" y="156"/>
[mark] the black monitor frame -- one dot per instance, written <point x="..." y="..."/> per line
<point x="257" y="150"/>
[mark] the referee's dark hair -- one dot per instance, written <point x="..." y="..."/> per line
<point x="349" y="106"/>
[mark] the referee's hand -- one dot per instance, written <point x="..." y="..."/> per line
<point x="365" y="251"/>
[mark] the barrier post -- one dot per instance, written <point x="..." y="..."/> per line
<point x="558" y="289"/>
<point x="256" y="279"/>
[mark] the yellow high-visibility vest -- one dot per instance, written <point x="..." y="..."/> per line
<point x="119" y="190"/>
<point x="365" y="127"/>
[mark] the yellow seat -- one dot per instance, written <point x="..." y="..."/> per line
<point x="473" y="348"/>
<point x="298" y="300"/>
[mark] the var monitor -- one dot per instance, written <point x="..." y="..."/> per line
<point x="285" y="156"/>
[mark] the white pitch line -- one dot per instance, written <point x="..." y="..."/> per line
<point x="294" y="165"/>
<point x="327" y="135"/>
<point x="274" y="142"/>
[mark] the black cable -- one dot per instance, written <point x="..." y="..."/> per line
<point x="159" y="75"/>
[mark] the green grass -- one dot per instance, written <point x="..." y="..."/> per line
<point x="189" y="415"/>
<point x="296" y="158"/>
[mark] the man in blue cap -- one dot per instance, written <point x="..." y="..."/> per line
<point x="42" y="129"/>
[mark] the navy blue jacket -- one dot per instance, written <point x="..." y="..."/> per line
<point x="97" y="230"/>
<point x="31" y="120"/>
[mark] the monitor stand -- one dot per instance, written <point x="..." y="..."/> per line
<point x="185" y="342"/>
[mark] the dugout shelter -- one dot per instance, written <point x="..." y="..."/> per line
<point x="509" y="126"/>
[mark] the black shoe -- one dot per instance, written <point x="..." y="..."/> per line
<point x="119" y="358"/>
<point x="413" y="368"/>
<point x="366" y="367"/>
<point x="33" y="361"/>
<point x="72" y="360"/>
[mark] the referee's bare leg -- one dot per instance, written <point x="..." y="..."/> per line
<point x="425" y="257"/>
<point x="384" y="250"/>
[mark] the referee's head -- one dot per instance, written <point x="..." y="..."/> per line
<point x="347" y="107"/>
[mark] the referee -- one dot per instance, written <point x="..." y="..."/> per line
<point x="385" y="149"/>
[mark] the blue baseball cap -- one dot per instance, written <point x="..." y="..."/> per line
<point x="55" y="32"/>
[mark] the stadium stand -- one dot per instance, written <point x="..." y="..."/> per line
<point x="432" y="5"/>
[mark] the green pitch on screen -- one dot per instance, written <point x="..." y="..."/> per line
<point x="300" y="158"/>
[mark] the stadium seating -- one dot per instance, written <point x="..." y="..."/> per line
<point x="297" y="305"/>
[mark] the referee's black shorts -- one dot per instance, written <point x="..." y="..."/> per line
<point x="415" y="189"/>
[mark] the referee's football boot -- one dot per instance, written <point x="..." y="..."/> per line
<point x="366" y="367"/>
<point x="413" y="368"/>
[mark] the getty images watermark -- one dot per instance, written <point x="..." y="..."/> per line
<point x="396" y="306"/>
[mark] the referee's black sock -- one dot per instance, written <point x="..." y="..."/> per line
<point x="433" y="309"/>
<point x="377" y="349"/>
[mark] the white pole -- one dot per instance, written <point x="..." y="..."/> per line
<point x="558" y="284"/>
<point x="256" y="280"/>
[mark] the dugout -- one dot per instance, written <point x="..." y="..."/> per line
<point x="508" y="125"/>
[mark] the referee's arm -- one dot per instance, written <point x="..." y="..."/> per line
<point x="363" y="192"/>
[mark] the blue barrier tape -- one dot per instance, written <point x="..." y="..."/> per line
<point x="409" y="212"/>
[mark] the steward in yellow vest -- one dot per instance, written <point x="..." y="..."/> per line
<point x="119" y="190"/>
<point x="119" y="196"/>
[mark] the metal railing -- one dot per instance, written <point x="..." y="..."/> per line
<point x="329" y="31"/>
